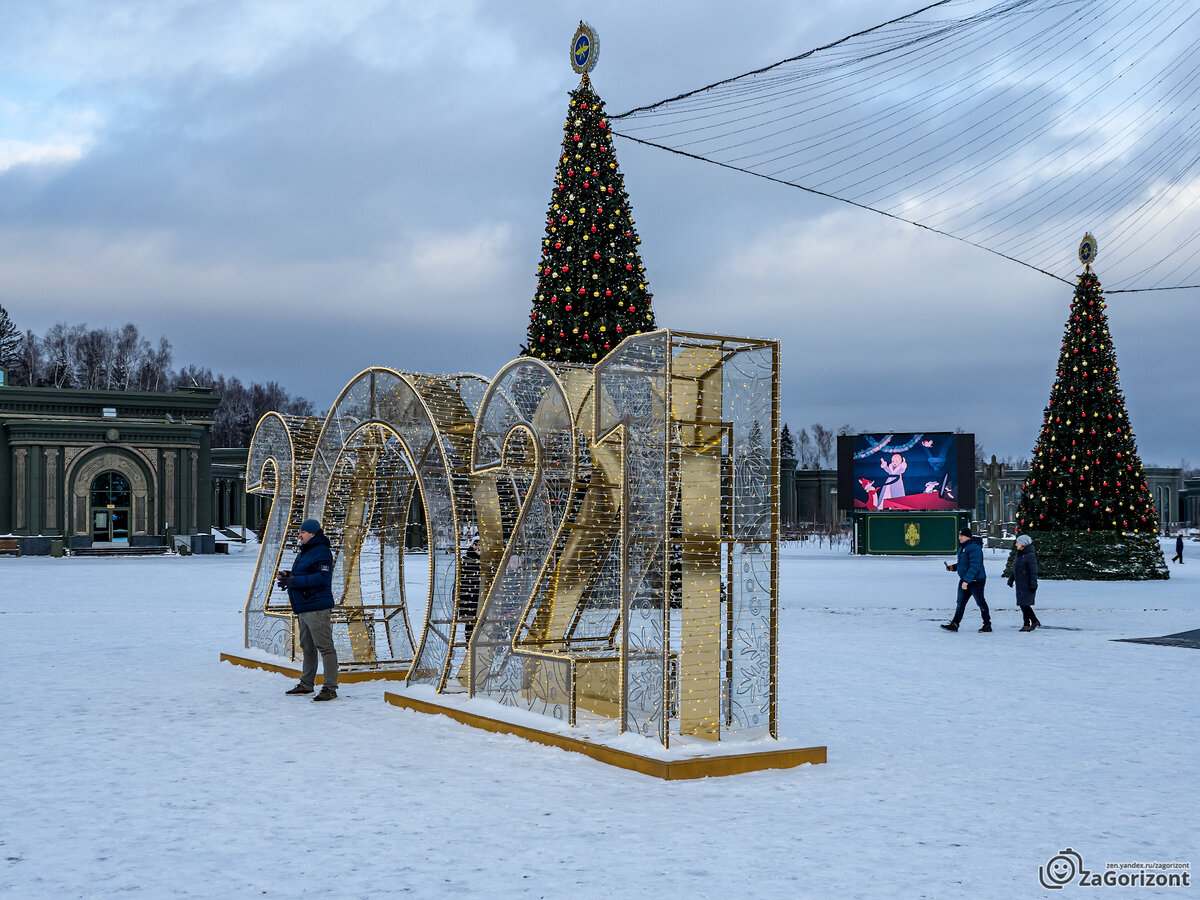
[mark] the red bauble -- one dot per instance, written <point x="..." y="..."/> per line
<point x="619" y="328"/>
<point x="568" y="307"/>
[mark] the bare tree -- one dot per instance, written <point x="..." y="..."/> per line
<point x="93" y="359"/>
<point x="128" y="349"/>
<point x="823" y="438"/>
<point x="152" y="367"/>
<point x="807" y="452"/>
<point x="61" y="343"/>
<point x="29" y="365"/>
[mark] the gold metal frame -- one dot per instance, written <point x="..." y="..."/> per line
<point x="643" y="484"/>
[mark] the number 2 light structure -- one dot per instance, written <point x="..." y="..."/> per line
<point x="628" y="517"/>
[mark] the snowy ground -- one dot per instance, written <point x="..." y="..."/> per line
<point x="133" y="762"/>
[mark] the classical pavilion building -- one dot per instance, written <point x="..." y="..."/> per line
<point x="106" y="469"/>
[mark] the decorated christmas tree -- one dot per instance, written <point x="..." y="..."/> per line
<point x="591" y="290"/>
<point x="1086" y="503"/>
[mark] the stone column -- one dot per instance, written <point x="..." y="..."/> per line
<point x="19" y="478"/>
<point x="170" y="510"/>
<point x="51" y="483"/>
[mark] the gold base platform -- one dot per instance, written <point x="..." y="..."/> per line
<point x="673" y="770"/>
<point x="344" y="676"/>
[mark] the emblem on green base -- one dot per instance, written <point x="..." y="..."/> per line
<point x="912" y="534"/>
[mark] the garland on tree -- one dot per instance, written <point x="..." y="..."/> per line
<point x="1085" y="502"/>
<point x="591" y="290"/>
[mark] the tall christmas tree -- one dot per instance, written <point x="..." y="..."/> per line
<point x="591" y="290"/>
<point x="1086" y="503"/>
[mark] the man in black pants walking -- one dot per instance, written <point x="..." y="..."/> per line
<point x="971" y="579"/>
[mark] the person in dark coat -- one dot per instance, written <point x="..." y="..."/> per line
<point x="468" y="587"/>
<point x="309" y="584"/>
<point x="1178" y="557"/>
<point x="971" y="580"/>
<point x="1024" y="579"/>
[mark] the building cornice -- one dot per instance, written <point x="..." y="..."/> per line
<point x="74" y="404"/>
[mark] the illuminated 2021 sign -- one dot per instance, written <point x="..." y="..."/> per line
<point x="627" y="518"/>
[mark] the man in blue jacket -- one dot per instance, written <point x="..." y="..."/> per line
<point x="971" y="579"/>
<point x="309" y="584"/>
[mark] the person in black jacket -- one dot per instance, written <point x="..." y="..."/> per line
<point x="1178" y="557"/>
<point x="1024" y="579"/>
<point x="971" y="579"/>
<point x="309" y="584"/>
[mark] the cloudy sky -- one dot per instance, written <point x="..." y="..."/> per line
<point x="296" y="190"/>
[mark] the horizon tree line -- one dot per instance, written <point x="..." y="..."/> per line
<point x="122" y="359"/>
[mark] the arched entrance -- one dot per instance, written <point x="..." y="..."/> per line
<point x="116" y="476"/>
<point x="110" y="505"/>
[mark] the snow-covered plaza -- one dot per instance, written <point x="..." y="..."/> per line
<point x="134" y="762"/>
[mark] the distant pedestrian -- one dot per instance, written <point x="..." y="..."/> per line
<point x="1178" y="557"/>
<point x="468" y="590"/>
<point x="1024" y="579"/>
<point x="309" y="584"/>
<point x="971" y="579"/>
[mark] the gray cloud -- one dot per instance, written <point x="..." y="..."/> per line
<point x="297" y="193"/>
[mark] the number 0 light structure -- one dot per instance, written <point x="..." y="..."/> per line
<point x="629" y="522"/>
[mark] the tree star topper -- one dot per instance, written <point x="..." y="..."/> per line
<point x="1088" y="248"/>
<point x="585" y="48"/>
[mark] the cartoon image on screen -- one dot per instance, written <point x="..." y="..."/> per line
<point x="905" y="471"/>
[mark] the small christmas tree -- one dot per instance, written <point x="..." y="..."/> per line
<point x="787" y="448"/>
<point x="591" y="290"/>
<point x="10" y="341"/>
<point x="1086" y="503"/>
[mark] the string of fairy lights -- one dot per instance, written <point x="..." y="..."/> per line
<point x="614" y="571"/>
<point x="1004" y="125"/>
